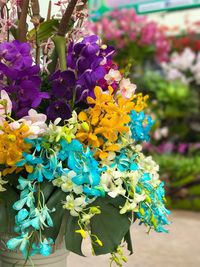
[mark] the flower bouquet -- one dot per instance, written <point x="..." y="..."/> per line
<point x="70" y="128"/>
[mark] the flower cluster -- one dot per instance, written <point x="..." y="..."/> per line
<point x="124" y="28"/>
<point x="8" y="21"/>
<point x="16" y="66"/>
<point x="88" y="62"/>
<point x="184" y="66"/>
<point x="86" y="146"/>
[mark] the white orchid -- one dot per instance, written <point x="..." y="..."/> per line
<point x="68" y="185"/>
<point x="132" y="204"/>
<point x="126" y="88"/>
<point x="36" y="123"/>
<point x="117" y="191"/>
<point x="184" y="67"/>
<point x="68" y="131"/>
<point x="113" y="76"/>
<point x="184" y="60"/>
<point x="129" y="206"/>
<point x="74" y="205"/>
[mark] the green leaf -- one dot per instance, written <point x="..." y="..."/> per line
<point x="60" y="46"/>
<point x="110" y="226"/>
<point x="47" y="189"/>
<point x="55" y="201"/>
<point x="128" y="240"/>
<point x="44" y="31"/>
<point x="7" y="213"/>
<point x="73" y="240"/>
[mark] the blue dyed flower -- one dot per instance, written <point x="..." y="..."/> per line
<point x="26" y="198"/>
<point x="81" y="161"/>
<point x="125" y="162"/>
<point x="21" y="241"/>
<point x="140" y="126"/>
<point x="152" y="212"/>
<point x="44" y="248"/>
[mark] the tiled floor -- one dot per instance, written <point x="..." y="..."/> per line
<point x="179" y="248"/>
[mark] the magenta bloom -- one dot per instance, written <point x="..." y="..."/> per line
<point x="127" y="30"/>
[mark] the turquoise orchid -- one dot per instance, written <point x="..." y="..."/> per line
<point x="26" y="198"/>
<point x="140" y="126"/>
<point x="125" y="162"/>
<point x="44" y="248"/>
<point x="21" y="241"/>
<point x="81" y="161"/>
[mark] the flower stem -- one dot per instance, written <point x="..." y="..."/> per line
<point x="22" y="27"/>
<point x="49" y="10"/>
<point x="66" y="18"/>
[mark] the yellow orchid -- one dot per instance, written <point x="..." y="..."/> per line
<point x="12" y="144"/>
<point x="141" y="102"/>
<point x="81" y="232"/>
<point x="100" y="97"/>
<point x="106" y="119"/>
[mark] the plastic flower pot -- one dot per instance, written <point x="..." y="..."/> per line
<point x="14" y="258"/>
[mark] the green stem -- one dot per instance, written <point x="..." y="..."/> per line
<point x="60" y="46"/>
<point x="54" y="59"/>
<point x="59" y="39"/>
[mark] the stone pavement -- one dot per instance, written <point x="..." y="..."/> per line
<point x="179" y="248"/>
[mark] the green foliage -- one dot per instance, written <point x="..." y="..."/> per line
<point x="7" y="214"/>
<point x="174" y="98"/>
<point x="182" y="177"/>
<point x="44" y="31"/>
<point x="55" y="199"/>
<point x="110" y="234"/>
<point x="175" y="105"/>
<point x="134" y="53"/>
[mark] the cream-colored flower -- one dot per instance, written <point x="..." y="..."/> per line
<point x="126" y="88"/>
<point x="129" y="206"/>
<point x="74" y="205"/>
<point x="68" y="185"/>
<point x="113" y="76"/>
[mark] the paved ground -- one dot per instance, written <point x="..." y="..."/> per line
<point x="179" y="248"/>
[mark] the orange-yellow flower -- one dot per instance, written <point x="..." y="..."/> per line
<point x="141" y="102"/>
<point x="107" y="119"/>
<point x="12" y="144"/>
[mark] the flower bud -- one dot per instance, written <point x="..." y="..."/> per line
<point x="85" y="126"/>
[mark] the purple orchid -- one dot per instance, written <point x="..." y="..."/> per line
<point x="87" y="64"/>
<point x="59" y="109"/>
<point x="22" y="78"/>
<point x="17" y="54"/>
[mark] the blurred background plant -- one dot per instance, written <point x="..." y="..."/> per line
<point x="166" y="66"/>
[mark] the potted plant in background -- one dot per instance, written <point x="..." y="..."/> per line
<point x="70" y="128"/>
